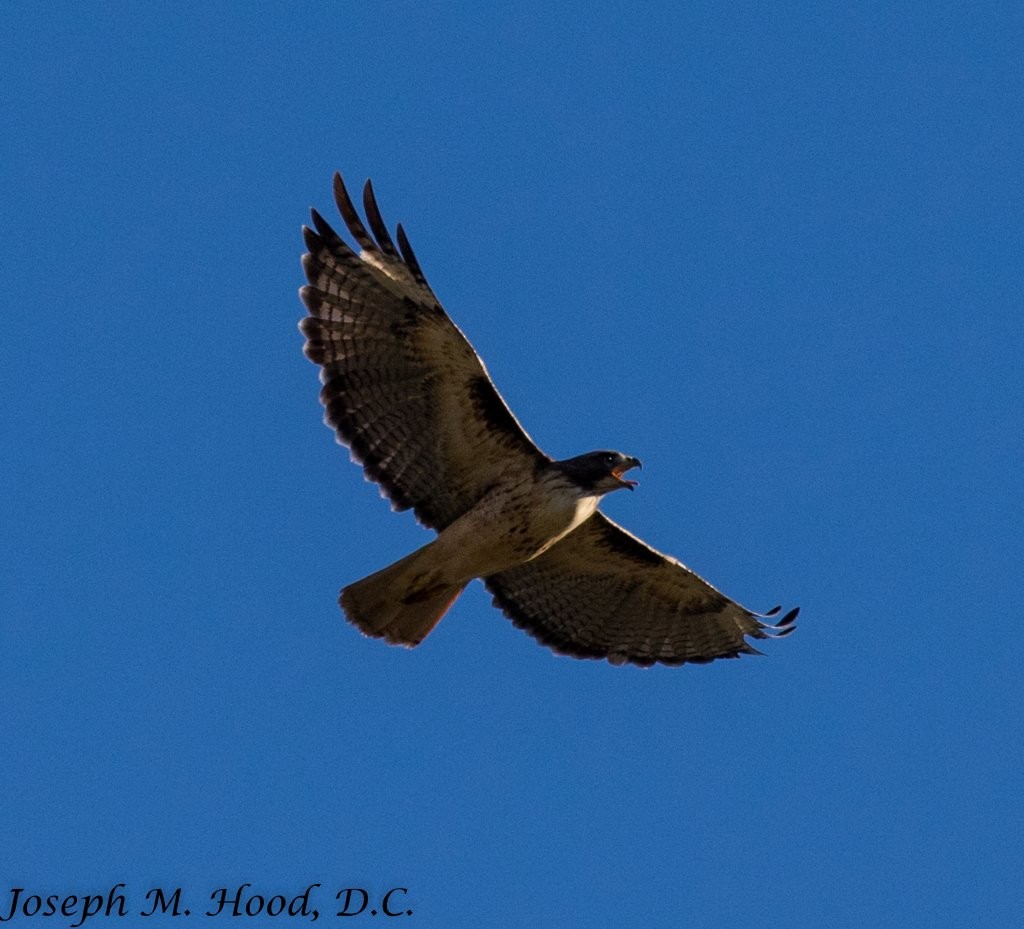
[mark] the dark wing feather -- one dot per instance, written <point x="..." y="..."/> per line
<point x="403" y="388"/>
<point x="602" y="593"/>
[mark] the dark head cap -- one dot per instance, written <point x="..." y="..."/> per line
<point x="599" y="472"/>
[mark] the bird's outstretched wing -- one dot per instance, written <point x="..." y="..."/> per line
<point x="602" y="593"/>
<point x="402" y="386"/>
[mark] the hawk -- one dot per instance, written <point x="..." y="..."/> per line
<point x="405" y="391"/>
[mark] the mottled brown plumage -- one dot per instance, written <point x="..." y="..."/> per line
<point x="406" y="392"/>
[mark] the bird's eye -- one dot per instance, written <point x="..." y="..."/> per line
<point x="609" y="458"/>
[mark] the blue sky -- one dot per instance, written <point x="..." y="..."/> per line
<point x="774" y="250"/>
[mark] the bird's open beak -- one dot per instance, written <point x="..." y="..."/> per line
<point x="621" y="469"/>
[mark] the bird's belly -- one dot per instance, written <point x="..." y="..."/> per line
<point x="503" y="531"/>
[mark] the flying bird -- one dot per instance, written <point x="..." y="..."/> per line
<point x="405" y="391"/>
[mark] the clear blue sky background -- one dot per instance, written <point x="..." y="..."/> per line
<point x="775" y="250"/>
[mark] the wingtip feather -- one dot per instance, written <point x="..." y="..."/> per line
<point x="311" y="240"/>
<point x="789" y="618"/>
<point x="351" y="217"/>
<point x="409" y="256"/>
<point x="377" y="224"/>
<point x="324" y="229"/>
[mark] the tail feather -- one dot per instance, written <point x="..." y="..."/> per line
<point x="402" y="603"/>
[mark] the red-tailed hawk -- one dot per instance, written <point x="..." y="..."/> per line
<point x="406" y="392"/>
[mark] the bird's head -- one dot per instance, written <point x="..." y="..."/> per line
<point x="599" y="472"/>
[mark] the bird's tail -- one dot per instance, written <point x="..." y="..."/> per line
<point x="401" y="603"/>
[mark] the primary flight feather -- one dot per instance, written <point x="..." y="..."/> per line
<point x="406" y="392"/>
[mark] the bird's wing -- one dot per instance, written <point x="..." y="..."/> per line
<point x="402" y="386"/>
<point x="602" y="593"/>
